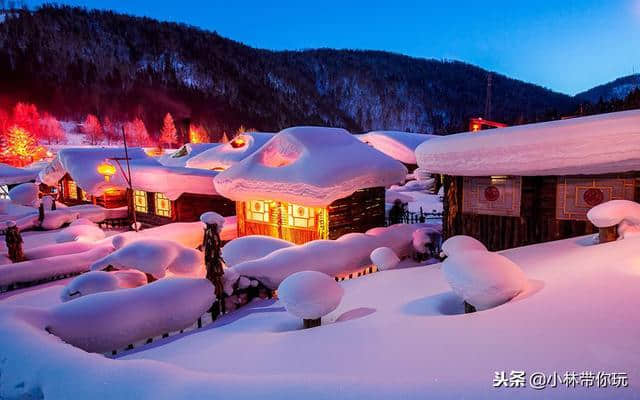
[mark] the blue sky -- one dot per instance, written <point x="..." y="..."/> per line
<point x="568" y="46"/>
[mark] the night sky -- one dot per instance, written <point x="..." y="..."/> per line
<point x="568" y="46"/>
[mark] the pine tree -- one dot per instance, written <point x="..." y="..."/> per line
<point x="51" y="130"/>
<point x="21" y="146"/>
<point x="137" y="134"/>
<point x="109" y="130"/>
<point x="92" y="129"/>
<point x="168" y="134"/>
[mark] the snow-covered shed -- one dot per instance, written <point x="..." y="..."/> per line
<point x="532" y="183"/>
<point x="225" y="155"/>
<point x="310" y="183"/>
<point x="397" y="144"/>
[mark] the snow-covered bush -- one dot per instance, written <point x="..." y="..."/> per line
<point x="25" y="194"/>
<point x="251" y="248"/>
<point x="482" y="278"/>
<point x="111" y="320"/>
<point x="427" y="242"/>
<point x="156" y="257"/>
<point x="82" y="232"/>
<point x="310" y="295"/>
<point x="461" y="243"/>
<point x="384" y="258"/>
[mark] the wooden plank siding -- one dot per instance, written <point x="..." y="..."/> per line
<point x="537" y="222"/>
<point x="363" y="210"/>
<point x="186" y="208"/>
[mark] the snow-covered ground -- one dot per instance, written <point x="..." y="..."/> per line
<point x="397" y="334"/>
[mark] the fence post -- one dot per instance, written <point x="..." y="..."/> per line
<point x="14" y="242"/>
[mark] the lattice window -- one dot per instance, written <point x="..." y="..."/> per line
<point x="257" y="210"/>
<point x="300" y="216"/>
<point x="496" y="195"/>
<point x="140" y="201"/>
<point x="73" y="189"/>
<point x="84" y="195"/>
<point x="163" y="205"/>
<point x="4" y="192"/>
<point x="576" y="196"/>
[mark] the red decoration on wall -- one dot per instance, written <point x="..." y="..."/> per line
<point x="491" y="193"/>
<point x="593" y="196"/>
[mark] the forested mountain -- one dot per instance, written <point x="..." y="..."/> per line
<point x="614" y="90"/>
<point x="72" y="61"/>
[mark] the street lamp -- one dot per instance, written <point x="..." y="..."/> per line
<point x="107" y="170"/>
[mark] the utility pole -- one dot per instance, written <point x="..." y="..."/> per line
<point x="487" y="102"/>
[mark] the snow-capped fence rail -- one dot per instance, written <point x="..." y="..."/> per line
<point x="409" y="217"/>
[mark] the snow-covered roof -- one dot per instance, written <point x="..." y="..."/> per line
<point x="172" y="181"/>
<point x="179" y="158"/>
<point x="227" y="154"/>
<point x="396" y="144"/>
<point x="146" y="173"/>
<point x="311" y="166"/>
<point x="11" y="175"/>
<point x="597" y="144"/>
<point x="82" y="163"/>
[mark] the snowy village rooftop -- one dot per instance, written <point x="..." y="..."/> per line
<point x="396" y="144"/>
<point x="146" y="173"/>
<point x="225" y="155"/>
<point x="310" y="166"/>
<point x="11" y="175"/>
<point x="597" y="144"/>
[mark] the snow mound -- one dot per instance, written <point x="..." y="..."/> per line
<point x="310" y="294"/>
<point x="82" y="221"/>
<point x="11" y="175"/>
<point x="251" y="247"/>
<point x="384" y="258"/>
<point x="227" y="154"/>
<point x="57" y="218"/>
<point x="347" y="254"/>
<point x="155" y="257"/>
<point x="83" y="232"/>
<point x="483" y="279"/>
<point x="111" y="320"/>
<point x="188" y="234"/>
<point x="57" y="249"/>
<point x="396" y="144"/>
<point x="25" y="194"/>
<point x="33" y="270"/>
<point x="461" y="243"/>
<point x="614" y="212"/>
<point x="89" y="283"/>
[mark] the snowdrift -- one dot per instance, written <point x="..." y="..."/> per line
<point x="347" y="254"/>
<point x="110" y="320"/>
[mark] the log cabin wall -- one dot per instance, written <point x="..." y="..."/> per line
<point x="186" y="208"/>
<point x="537" y="222"/>
<point x="363" y="210"/>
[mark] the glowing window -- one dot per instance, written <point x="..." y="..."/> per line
<point x="140" y="201"/>
<point x="163" y="205"/>
<point x="258" y="210"/>
<point x="84" y="195"/>
<point x="73" y="189"/>
<point x="300" y="216"/>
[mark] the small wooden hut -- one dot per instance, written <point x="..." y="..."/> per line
<point x="534" y="183"/>
<point x="310" y="183"/>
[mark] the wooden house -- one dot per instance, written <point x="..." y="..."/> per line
<point x="163" y="194"/>
<point x="310" y="183"/>
<point x="397" y="145"/>
<point x="533" y="183"/>
<point x="72" y="177"/>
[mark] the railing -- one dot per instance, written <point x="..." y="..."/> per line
<point x="409" y="217"/>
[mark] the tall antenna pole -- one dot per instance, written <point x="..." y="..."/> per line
<point x="126" y="157"/>
<point x="487" y="103"/>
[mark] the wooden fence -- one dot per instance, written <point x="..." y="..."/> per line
<point x="409" y="217"/>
